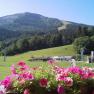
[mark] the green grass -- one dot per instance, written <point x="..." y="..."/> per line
<point x="56" y="51"/>
<point x="83" y="64"/>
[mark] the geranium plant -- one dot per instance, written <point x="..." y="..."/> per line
<point x="55" y="80"/>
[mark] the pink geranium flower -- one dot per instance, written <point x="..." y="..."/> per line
<point x="13" y="69"/>
<point x="88" y="75"/>
<point x="21" y="63"/>
<point x="25" y="67"/>
<point x="68" y="81"/>
<point x="43" y="82"/>
<point x="51" y="61"/>
<point x="26" y="91"/>
<point x="76" y="70"/>
<point x="27" y="76"/>
<point x="1" y="92"/>
<point x="60" y="89"/>
<point x="59" y="77"/>
<point x="7" y="82"/>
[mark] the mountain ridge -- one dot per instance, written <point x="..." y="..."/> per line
<point x="30" y="23"/>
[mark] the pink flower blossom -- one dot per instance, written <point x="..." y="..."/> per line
<point x="21" y="63"/>
<point x="13" y="69"/>
<point x="68" y="81"/>
<point x="7" y="82"/>
<point x="51" y="61"/>
<point x="27" y="76"/>
<point x="60" y="89"/>
<point x="26" y="91"/>
<point x="88" y="75"/>
<point x="22" y="66"/>
<point x="1" y="92"/>
<point x="59" y="77"/>
<point x="61" y="74"/>
<point x="43" y="82"/>
<point x="25" y="67"/>
<point x="76" y="70"/>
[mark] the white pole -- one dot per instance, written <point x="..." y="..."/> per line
<point x="92" y="56"/>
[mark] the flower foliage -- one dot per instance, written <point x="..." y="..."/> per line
<point x="37" y="80"/>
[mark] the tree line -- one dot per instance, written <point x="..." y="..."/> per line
<point x="82" y="38"/>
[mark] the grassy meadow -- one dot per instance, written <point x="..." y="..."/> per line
<point x="57" y="51"/>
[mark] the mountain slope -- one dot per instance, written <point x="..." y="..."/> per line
<point x="72" y="26"/>
<point x="28" y="24"/>
<point x="67" y="50"/>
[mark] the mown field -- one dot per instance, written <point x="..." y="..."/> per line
<point x="57" y="51"/>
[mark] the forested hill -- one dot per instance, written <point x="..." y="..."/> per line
<point x="31" y="23"/>
<point x="27" y="23"/>
<point x="25" y="31"/>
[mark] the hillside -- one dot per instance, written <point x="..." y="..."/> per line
<point x="24" y="24"/>
<point x="31" y="23"/>
<point x="21" y="32"/>
<point x="27" y="23"/>
<point x="67" y="50"/>
<point x="55" y="51"/>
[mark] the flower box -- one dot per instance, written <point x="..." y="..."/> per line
<point x="55" y="80"/>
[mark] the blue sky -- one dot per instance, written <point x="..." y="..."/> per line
<point x="81" y="11"/>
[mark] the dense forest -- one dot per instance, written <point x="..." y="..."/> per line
<point x="28" y="31"/>
<point x="82" y="38"/>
